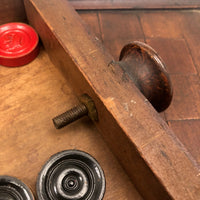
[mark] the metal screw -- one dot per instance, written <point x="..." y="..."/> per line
<point x="86" y="107"/>
<point x="70" y="116"/>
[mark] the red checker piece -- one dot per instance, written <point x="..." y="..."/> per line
<point x="19" y="44"/>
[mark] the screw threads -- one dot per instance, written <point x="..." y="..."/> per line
<point x="70" y="116"/>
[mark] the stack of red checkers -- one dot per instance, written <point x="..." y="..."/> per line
<point x="19" y="44"/>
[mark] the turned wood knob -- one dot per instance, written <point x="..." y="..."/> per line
<point x="147" y="70"/>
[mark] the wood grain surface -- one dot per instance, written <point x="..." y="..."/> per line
<point x="12" y="11"/>
<point x="30" y="97"/>
<point x="152" y="147"/>
<point x="134" y="4"/>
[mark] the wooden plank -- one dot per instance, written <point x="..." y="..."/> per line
<point x="162" y="24"/>
<point x="133" y="4"/>
<point x="188" y="133"/>
<point x="185" y="103"/>
<point x="116" y="34"/>
<point x="143" y="143"/>
<point x="174" y="25"/>
<point x="191" y="34"/>
<point x="194" y="45"/>
<point x="30" y="97"/>
<point x="176" y="55"/>
<point x="12" y="11"/>
<point x="92" y="22"/>
<point x="124" y="26"/>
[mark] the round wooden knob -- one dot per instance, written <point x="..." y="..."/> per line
<point x="147" y="70"/>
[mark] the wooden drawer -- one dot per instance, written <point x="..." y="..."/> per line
<point x="138" y="149"/>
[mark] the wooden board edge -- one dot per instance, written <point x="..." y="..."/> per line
<point x="147" y="5"/>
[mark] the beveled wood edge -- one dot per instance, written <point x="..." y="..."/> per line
<point x="127" y="4"/>
<point x="143" y="143"/>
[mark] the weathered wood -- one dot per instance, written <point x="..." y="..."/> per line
<point x="30" y="97"/>
<point x="92" y="22"/>
<point x="154" y="24"/>
<point x="123" y="26"/>
<point x="191" y="33"/>
<point x="133" y="4"/>
<point x="188" y="132"/>
<point x="185" y="104"/>
<point x="143" y="143"/>
<point x="12" y="11"/>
